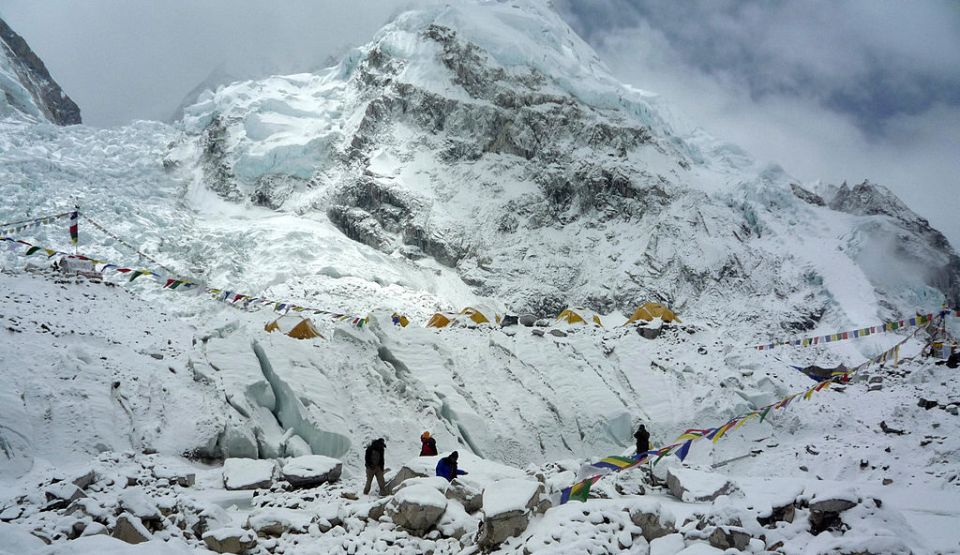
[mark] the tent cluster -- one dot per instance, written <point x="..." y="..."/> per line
<point x="294" y="326"/>
<point x="468" y="317"/>
<point x="303" y="328"/>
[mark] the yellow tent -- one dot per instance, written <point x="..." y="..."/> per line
<point x="440" y="320"/>
<point x="649" y="311"/>
<point x="469" y="316"/>
<point x="294" y="326"/>
<point x="399" y="319"/>
<point x="580" y="316"/>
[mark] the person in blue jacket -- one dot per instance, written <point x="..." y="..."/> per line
<point x="447" y="467"/>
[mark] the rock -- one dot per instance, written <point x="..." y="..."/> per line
<point x="230" y="540"/>
<point x="496" y="529"/>
<point x="507" y="505"/>
<point x="181" y="477"/>
<point x="691" y="485"/>
<point x="85" y="480"/>
<point x="470" y="498"/>
<point x="926" y="404"/>
<point x="558" y="333"/>
<point x="875" y="387"/>
<point x="729" y="537"/>
<point x="888" y="430"/>
<point x="527" y="320"/>
<point x="832" y="505"/>
<point x="887" y="481"/>
<point x="136" y="502"/>
<point x="247" y="473"/>
<point x="276" y="522"/>
<point x="652" y="522"/>
<point x="417" y="508"/>
<point x="10" y="513"/>
<point x="537" y="331"/>
<point x="311" y="471"/>
<point x="648" y="333"/>
<point x="130" y="529"/>
<point x="953" y="409"/>
<point x="402" y="475"/>
<point x="64" y="491"/>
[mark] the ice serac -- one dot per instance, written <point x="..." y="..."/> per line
<point x="27" y="87"/>
<point x="488" y="137"/>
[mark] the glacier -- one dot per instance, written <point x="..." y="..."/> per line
<point x="471" y="154"/>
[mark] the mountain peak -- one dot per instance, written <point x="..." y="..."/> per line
<point x="28" y="89"/>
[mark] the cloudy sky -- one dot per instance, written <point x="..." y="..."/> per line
<point x="832" y="90"/>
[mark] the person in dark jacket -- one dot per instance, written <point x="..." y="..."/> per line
<point x="447" y="467"/>
<point x="428" y="445"/>
<point x="374" y="461"/>
<point x="643" y="439"/>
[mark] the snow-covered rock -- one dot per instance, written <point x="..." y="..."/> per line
<point x="417" y="508"/>
<point x="689" y="484"/>
<point x="248" y="473"/>
<point x="130" y="529"/>
<point x="230" y="540"/>
<point x="506" y="509"/>
<point x="311" y="470"/>
<point x="276" y="521"/>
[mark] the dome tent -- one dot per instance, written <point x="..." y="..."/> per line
<point x="469" y="317"/>
<point x="294" y="326"/>
<point x="580" y="316"/>
<point x="650" y="311"/>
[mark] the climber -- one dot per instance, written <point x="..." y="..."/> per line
<point x="428" y="445"/>
<point x="447" y="467"/>
<point x="643" y="439"/>
<point x="373" y="460"/>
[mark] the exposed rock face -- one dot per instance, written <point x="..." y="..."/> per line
<point x="45" y="94"/>
<point x="130" y="529"/>
<point x="230" y="540"/>
<point x="696" y="485"/>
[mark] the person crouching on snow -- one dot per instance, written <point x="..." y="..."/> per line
<point x="447" y="467"/>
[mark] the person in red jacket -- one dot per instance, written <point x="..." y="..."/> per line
<point x="428" y="445"/>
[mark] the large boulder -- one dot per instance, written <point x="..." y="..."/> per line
<point x="248" y="473"/>
<point x="402" y="475"/>
<point x="311" y="470"/>
<point x="729" y="537"/>
<point x="469" y="497"/>
<point x="129" y="529"/>
<point x="230" y="540"/>
<point x="690" y="485"/>
<point x="417" y="508"/>
<point x="507" y="505"/>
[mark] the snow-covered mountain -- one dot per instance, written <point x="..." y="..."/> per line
<point x="472" y="153"/>
<point x="28" y="89"/>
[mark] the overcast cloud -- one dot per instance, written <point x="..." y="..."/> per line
<point x="831" y="90"/>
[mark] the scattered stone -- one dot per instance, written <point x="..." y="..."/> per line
<point x="729" y="537"/>
<point x="691" y="485"/>
<point x="804" y="468"/>
<point x="85" y="480"/>
<point x="130" y="529"/>
<point x="64" y="491"/>
<point x="311" y="471"/>
<point x="230" y="540"/>
<point x="136" y="502"/>
<point x="888" y="430"/>
<point x="537" y="331"/>
<point x="10" y="513"/>
<point x="416" y="508"/>
<point x="247" y="473"/>
<point x="527" y="320"/>
<point x="953" y="409"/>
<point x="276" y="522"/>
<point x="887" y="481"/>
<point x="832" y="505"/>
<point x="926" y="404"/>
<point x="652" y="521"/>
<point x="349" y="495"/>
